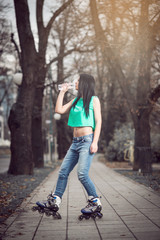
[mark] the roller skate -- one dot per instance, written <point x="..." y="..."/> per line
<point x="50" y="207"/>
<point x="92" y="210"/>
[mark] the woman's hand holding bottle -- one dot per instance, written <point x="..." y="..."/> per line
<point x="65" y="86"/>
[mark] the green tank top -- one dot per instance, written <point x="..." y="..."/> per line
<point x="77" y="115"/>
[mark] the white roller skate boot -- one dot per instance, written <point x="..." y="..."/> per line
<point x="53" y="202"/>
<point x="93" y="209"/>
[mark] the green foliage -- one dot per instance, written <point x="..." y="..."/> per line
<point x="120" y="142"/>
<point x="116" y="147"/>
<point x="155" y="142"/>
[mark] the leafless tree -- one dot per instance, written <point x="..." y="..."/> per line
<point x="142" y="100"/>
<point x="25" y="116"/>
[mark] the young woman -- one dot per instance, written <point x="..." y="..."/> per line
<point x="85" y="118"/>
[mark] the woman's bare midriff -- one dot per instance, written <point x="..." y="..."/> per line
<point x="82" y="131"/>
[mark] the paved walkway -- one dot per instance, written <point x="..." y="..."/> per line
<point x="131" y="211"/>
<point x="4" y="163"/>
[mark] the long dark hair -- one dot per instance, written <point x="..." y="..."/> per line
<point x="86" y="90"/>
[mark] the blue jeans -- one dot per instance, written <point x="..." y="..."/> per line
<point x="79" y="152"/>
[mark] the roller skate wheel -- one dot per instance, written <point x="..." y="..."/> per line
<point x="80" y="217"/>
<point x="48" y="214"/>
<point x="59" y="216"/>
<point x="100" y="215"/>
<point x="54" y="208"/>
<point x="87" y="217"/>
<point x="99" y="208"/>
<point x="41" y="210"/>
<point x="56" y="215"/>
<point x="34" y="208"/>
<point x="94" y="216"/>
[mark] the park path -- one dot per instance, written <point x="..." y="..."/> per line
<point x="130" y="211"/>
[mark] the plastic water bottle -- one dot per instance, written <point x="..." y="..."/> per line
<point x="70" y="86"/>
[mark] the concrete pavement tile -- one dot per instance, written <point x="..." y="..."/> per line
<point x="110" y="223"/>
<point x="110" y="217"/>
<point x="153" y="215"/>
<point x="74" y="214"/>
<point x="133" y="224"/>
<point x="83" y="237"/>
<point x="54" y="226"/>
<point x="116" y="235"/>
<point x="117" y="238"/>
<point x="144" y="228"/>
<point x="155" y="210"/>
<point x="111" y="227"/>
<point x="156" y="221"/>
<point x="138" y="217"/>
<point x="50" y="235"/>
<point x="126" y="213"/>
<point x="80" y="234"/>
<point x="24" y="224"/>
<point x="148" y="235"/>
<point x="80" y="224"/>
<point x="22" y="228"/>
<point x="30" y="213"/>
<point x="150" y="196"/>
<point x="82" y="228"/>
<point x="51" y="221"/>
<point x="19" y="234"/>
<point x="74" y="220"/>
<point x="114" y="230"/>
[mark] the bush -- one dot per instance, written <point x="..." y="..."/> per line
<point x="155" y="145"/>
<point x="120" y="142"/>
<point x="117" y="146"/>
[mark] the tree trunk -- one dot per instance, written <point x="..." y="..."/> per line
<point x="20" y="119"/>
<point x="115" y="113"/>
<point x="142" y="150"/>
<point x="22" y="113"/>
<point x="20" y="122"/>
<point x="63" y="137"/>
<point x="110" y="116"/>
<point x="43" y="33"/>
<point x="140" y="110"/>
<point x="37" y="138"/>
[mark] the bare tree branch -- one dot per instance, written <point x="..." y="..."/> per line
<point x="110" y="56"/>
<point x="69" y="52"/>
<point x="39" y="15"/>
<point x="56" y="13"/>
<point x="156" y="25"/>
<point x="16" y="47"/>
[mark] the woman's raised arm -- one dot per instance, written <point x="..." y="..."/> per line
<point x="60" y="108"/>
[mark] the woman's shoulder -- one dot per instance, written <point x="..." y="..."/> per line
<point x="74" y="99"/>
<point x="94" y="97"/>
<point x="96" y="100"/>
